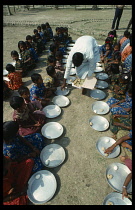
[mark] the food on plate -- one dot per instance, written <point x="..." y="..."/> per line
<point x="109" y="176"/>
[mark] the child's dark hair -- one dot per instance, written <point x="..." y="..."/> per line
<point x="10" y="68"/>
<point x="35" y="31"/>
<point x="16" y="102"/>
<point x="110" y="45"/>
<point x="28" y="37"/>
<point x="50" y="70"/>
<point x="51" y="59"/>
<point x="53" y="47"/>
<point x="38" y="27"/>
<point x="22" y="90"/>
<point x="47" y="24"/>
<point x="117" y="56"/>
<point x="43" y="26"/>
<point x="35" y="77"/>
<point x="126" y="33"/>
<point x="14" y="53"/>
<point x="28" y="44"/>
<point x="58" y="54"/>
<point x="116" y="44"/>
<point x="21" y="43"/>
<point x="108" y="40"/>
<point x="77" y="59"/>
<point x="10" y="129"/>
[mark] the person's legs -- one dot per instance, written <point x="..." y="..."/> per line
<point x="129" y="24"/>
<point x="118" y="18"/>
<point x="115" y="17"/>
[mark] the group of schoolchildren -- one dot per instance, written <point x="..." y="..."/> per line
<point x="22" y="137"/>
<point x="116" y="56"/>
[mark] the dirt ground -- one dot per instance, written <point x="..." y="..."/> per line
<point x="81" y="178"/>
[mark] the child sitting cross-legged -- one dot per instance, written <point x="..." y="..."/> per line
<point x="39" y="91"/>
<point x="29" y="122"/>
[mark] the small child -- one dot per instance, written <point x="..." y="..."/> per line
<point x="29" y="38"/>
<point x="29" y="122"/>
<point x="34" y="106"/>
<point x="39" y="43"/>
<point x="14" y="77"/>
<point x="108" y="52"/>
<point x="19" y="67"/>
<point x="27" y="59"/>
<point x="41" y="34"/>
<point x="45" y="32"/>
<point x="49" y="29"/>
<point x="38" y="91"/>
<point x="33" y="52"/>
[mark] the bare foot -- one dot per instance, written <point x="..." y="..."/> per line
<point x="123" y="158"/>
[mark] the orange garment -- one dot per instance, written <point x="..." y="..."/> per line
<point x="15" y="80"/>
<point x="126" y="52"/>
<point x="123" y="40"/>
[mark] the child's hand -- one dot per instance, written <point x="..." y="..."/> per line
<point x="38" y="124"/>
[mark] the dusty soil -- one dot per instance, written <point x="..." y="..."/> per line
<point x="81" y="178"/>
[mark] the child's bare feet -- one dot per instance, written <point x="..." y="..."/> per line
<point x="123" y="158"/>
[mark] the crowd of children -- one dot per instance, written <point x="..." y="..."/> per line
<point x="23" y="132"/>
<point x="116" y="55"/>
<point x="22" y="137"/>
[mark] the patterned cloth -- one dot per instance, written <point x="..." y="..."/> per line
<point x="126" y="52"/>
<point x="18" y="175"/>
<point x="15" y="80"/>
<point x="119" y="110"/>
<point x="121" y="88"/>
<point x="37" y="92"/>
<point x="123" y="40"/>
<point x="124" y="44"/>
<point x="17" y="149"/>
<point x="18" y="65"/>
<point x="25" y="55"/>
<point x="128" y="62"/>
<point x="34" y="54"/>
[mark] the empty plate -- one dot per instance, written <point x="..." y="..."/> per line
<point x="97" y="94"/>
<point x="98" y="64"/>
<point x="52" y="155"/>
<point x="98" y="69"/>
<point x="103" y="143"/>
<point x="99" y="123"/>
<point x="52" y="111"/>
<point x="6" y="79"/>
<point x="52" y="130"/>
<point x="102" y="76"/>
<point x="115" y="198"/>
<point x="101" y="84"/>
<point x="118" y="173"/>
<point x="61" y="101"/>
<point x="70" y="80"/>
<point x="62" y="92"/>
<point x="100" y="107"/>
<point x="41" y="187"/>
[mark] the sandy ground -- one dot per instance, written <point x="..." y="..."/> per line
<point x="81" y="178"/>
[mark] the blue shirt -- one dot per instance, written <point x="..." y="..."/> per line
<point x="37" y="92"/>
<point x="128" y="62"/>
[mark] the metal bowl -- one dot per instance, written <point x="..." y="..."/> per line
<point x="97" y="94"/>
<point x="102" y="76"/>
<point x="70" y="44"/>
<point x="61" y="101"/>
<point x="99" y="123"/>
<point x="41" y="187"/>
<point x="119" y="172"/>
<point x="100" y="107"/>
<point x="105" y="142"/>
<point x="52" y="111"/>
<point x="116" y="199"/>
<point x="101" y="84"/>
<point x="52" y="155"/>
<point x="52" y="130"/>
<point x="98" y="69"/>
<point x="5" y="72"/>
<point x="62" y="92"/>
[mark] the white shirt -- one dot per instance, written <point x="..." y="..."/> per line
<point x="88" y="46"/>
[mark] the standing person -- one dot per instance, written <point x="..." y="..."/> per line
<point x="129" y="24"/>
<point x="117" y="16"/>
<point x="84" y="55"/>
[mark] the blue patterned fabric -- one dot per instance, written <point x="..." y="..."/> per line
<point x="18" y="149"/>
<point x="37" y="92"/>
<point x="128" y="62"/>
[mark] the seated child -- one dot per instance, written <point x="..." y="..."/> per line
<point x="29" y="122"/>
<point x="15" y="180"/>
<point x="58" y="57"/>
<point x="26" y="56"/>
<point x="108" y="52"/>
<point x="102" y="49"/>
<point x="49" y="29"/>
<point x="39" y="91"/>
<point x="45" y="32"/>
<point x="38" y="43"/>
<point x="52" y="80"/>
<point x="32" y="51"/>
<point x="53" y="48"/>
<point x="29" y="38"/>
<point x="123" y="106"/>
<point x="34" y="106"/>
<point x="15" y="77"/>
<point x="20" y="148"/>
<point x="19" y="66"/>
<point x="41" y="34"/>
